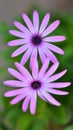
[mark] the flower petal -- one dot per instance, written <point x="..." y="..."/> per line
<point x="54" y="39"/>
<point x="59" y="85"/>
<point x="16" y="42"/>
<point x="54" y="48"/>
<point x="50" y="55"/>
<point x="21" y="27"/>
<point x="23" y="71"/>
<point x="50" y="98"/>
<point x="36" y="21"/>
<point x="20" y="97"/>
<point x="14" y="83"/>
<point x="43" y="68"/>
<point x="15" y="92"/>
<point x="26" y="55"/>
<point x="26" y="100"/>
<point x="41" y="96"/>
<point x="28" y="22"/>
<point x="17" y="99"/>
<point x="34" y="67"/>
<point x="57" y="92"/>
<point x="51" y="28"/>
<point x="25" y="104"/>
<point x="33" y="102"/>
<point x="20" y="50"/>
<point x="17" y="33"/>
<point x="42" y="55"/>
<point x="56" y="76"/>
<point x="16" y="74"/>
<point x="34" y="54"/>
<point x="51" y="70"/>
<point x="44" y="23"/>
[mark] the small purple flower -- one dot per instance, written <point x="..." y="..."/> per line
<point x="40" y="83"/>
<point x="34" y="38"/>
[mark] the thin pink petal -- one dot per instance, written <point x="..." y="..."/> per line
<point x="34" y="67"/>
<point x="54" y="39"/>
<point x="26" y="55"/>
<point x="17" y="99"/>
<point x="23" y="71"/>
<point x="42" y="55"/>
<point x="51" y="70"/>
<point x="44" y="23"/>
<point x="56" y="76"/>
<point x="20" y="50"/>
<point x="20" y="97"/>
<point x="50" y="55"/>
<point x="34" y="54"/>
<point x="21" y="27"/>
<point x="54" y="48"/>
<point x="51" y="28"/>
<point x="41" y="96"/>
<point x="16" y="42"/>
<point x="43" y="68"/>
<point x="28" y="22"/>
<point x="36" y="21"/>
<point x="57" y="92"/>
<point x="16" y="74"/>
<point x="14" y="83"/>
<point x="50" y="98"/>
<point x="26" y="103"/>
<point x="59" y="85"/>
<point x="15" y="92"/>
<point x="17" y="33"/>
<point x="33" y="102"/>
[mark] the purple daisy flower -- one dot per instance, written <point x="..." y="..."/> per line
<point x="34" y="38"/>
<point x="40" y="82"/>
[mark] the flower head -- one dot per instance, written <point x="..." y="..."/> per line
<point x="40" y="82"/>
<point x="34" y="38"/>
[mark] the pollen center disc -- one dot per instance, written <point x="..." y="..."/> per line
<point x="36" y="85"/>
<point x="36" y="40"/>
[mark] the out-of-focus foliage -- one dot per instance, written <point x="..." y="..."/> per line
<point x="69" y="128"/>
<point x="47" y="117"/>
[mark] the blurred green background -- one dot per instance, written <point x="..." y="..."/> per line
<point x="47" y="117"/>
